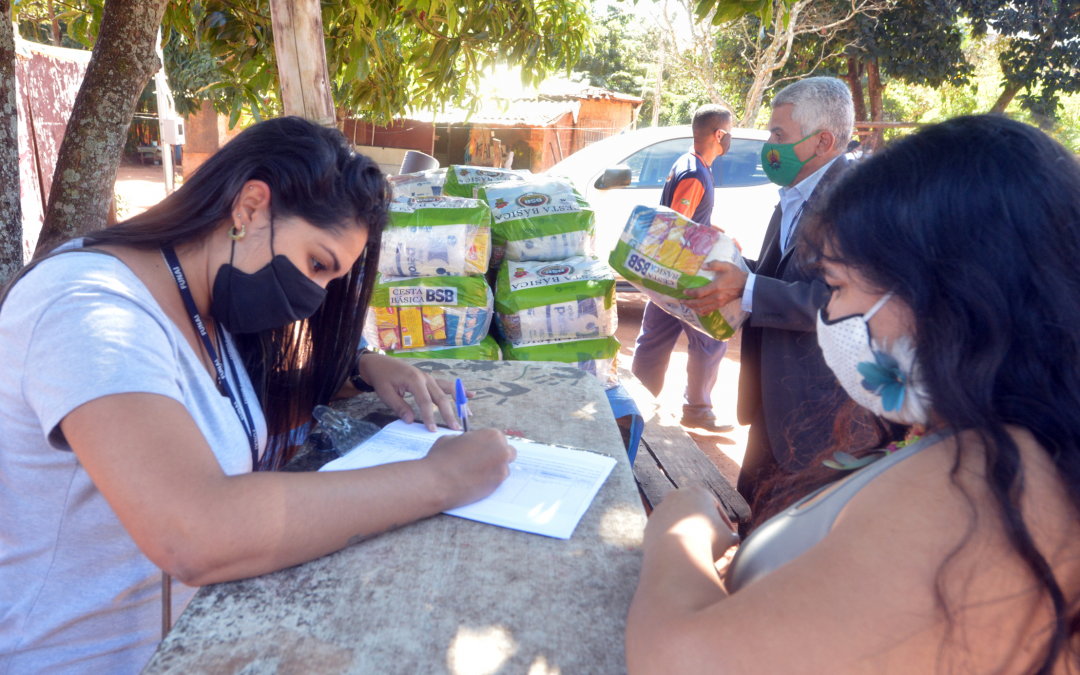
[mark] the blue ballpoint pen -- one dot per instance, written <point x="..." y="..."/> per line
<point x="462" y="404"/>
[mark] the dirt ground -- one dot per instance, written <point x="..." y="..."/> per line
<point x="144" y="186"/>
<point x="725" y="450"/>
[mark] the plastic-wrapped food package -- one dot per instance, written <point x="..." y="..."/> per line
<point x="661" y="253"/>
<point x="407" y="313"/>
<point x="463" y="181"/>
<point x="419" y="184"/>
<point x="486" y="350"/>
<point x="565" y="300"/>
<point x="596" y="356"/>
<point x="436" y="236"/>
<point x="538" y="219"/>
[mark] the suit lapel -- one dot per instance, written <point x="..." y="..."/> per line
<point x="770" y="250"/>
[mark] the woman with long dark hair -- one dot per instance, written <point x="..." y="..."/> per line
<point x="953" y="262"/>
<point x="152" y="375"/>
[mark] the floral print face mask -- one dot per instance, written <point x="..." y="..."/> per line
<point x="884" y="378"/>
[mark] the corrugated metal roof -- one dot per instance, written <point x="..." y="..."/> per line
<point x="560" y="90"/>
<point x="528" y="113"/>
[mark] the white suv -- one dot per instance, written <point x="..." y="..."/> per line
<point x="744" y="197"/>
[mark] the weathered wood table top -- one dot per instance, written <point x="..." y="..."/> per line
<point x="447" y="595"/>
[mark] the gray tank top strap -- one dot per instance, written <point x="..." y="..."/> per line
<point x="788" y="535"/>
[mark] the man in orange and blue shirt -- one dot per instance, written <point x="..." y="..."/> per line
<point x="689" y="190"/>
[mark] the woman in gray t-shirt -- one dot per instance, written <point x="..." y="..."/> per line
<point x="146" y="396"/>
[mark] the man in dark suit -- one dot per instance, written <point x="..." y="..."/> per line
<point x="787" y="393"/>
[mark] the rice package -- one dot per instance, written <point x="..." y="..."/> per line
<point x="411" y="312"/>
<point x="596" y="356"/>
<point x="661" y="253"/>
<point x="538" y="219"/>
<point x="567" y="300"/>
<point x="463" y="181"/>
<point x="419" y="184"/>
<point x="436" y="236"/>
<point x="486" y="350"/>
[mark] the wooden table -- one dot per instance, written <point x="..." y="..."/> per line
<point x="144" y="151"/>
<point x="668" y="458"/>
<point x="447" y="595"/>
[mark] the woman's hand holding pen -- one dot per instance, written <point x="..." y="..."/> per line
<point x="470" y="466"/>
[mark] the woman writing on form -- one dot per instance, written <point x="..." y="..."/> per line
<point x="150" y="380"/>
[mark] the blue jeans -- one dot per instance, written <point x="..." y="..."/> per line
<point x="659" y="332"/>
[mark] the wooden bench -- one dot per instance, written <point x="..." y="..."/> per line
<point x="668" y="458"/>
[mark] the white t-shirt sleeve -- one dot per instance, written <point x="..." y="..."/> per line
<point x="91" y="343"/>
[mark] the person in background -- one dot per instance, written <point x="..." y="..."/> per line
<point x="151" y="376"/>
<point x="957" y="551"/>
<point x="688" y="190"/>
<point x="786" y="393"/>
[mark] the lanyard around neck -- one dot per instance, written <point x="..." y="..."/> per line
<point x="239" y="404"/>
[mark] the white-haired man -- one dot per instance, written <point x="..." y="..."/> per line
<point x="786" y="392"/>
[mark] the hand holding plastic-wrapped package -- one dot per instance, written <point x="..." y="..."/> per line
<point x="419" y="184"/>
<point x="567" y="300"/>
<point x="595" y="356"/>
<point x="486" y="350"/>
<point x="661" y="253"/>
<point x="436" y="236"/>
<point x="463" y="181"/>
<point x="411" y="312"/>
<point x="538" y="219"/>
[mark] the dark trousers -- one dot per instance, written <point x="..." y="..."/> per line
<point x="758" y="466"/>
<point x="659" y="332"/>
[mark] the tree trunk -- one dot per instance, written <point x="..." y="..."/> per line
<point x="122" y="63"/>
<point x="11" y="233"/>
<point x="1011" y="90"/>
<point x="772" y="59"/>
<point x="854" y="80"/>
<point x="877" y="111"/>
<point x="301" y="60"/>
<point x="54" y="31"/>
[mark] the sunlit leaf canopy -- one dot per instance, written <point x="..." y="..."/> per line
<point x="386" y="58"/>
<point x="733" y="10"/>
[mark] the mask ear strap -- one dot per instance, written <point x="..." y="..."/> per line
<point x="878" y="305"/>
<point x="272" y="254"/>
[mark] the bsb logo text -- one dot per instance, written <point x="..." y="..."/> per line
<point x="650" y="269"/>
<point x="423" y="295"/>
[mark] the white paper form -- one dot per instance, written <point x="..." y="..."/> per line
<point x="547" y="492"/>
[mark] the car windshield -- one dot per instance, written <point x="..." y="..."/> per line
<point x="740" y="167"/>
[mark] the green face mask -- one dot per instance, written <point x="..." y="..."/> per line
<point x="780" y="162"/>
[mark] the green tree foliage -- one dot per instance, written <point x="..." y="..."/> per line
<point x="622" y="53"/>
<point x="73" y="25"/>
<point x="1041" y="52"/>
<point x="626" y="55"/>
<point x="922" y="103"/>
<point x="387" y="58"/>
<point x="917" y="41"/>
<point x="192" y="73"/>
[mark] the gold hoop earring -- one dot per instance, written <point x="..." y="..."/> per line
<point x="234" y="235"/>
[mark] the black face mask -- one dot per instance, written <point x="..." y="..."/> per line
<point x="275" y="296"/>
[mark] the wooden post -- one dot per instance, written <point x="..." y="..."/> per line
<point x="301" y="60"/>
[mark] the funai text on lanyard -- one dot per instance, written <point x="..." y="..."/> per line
<point x="238" y="401"/>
